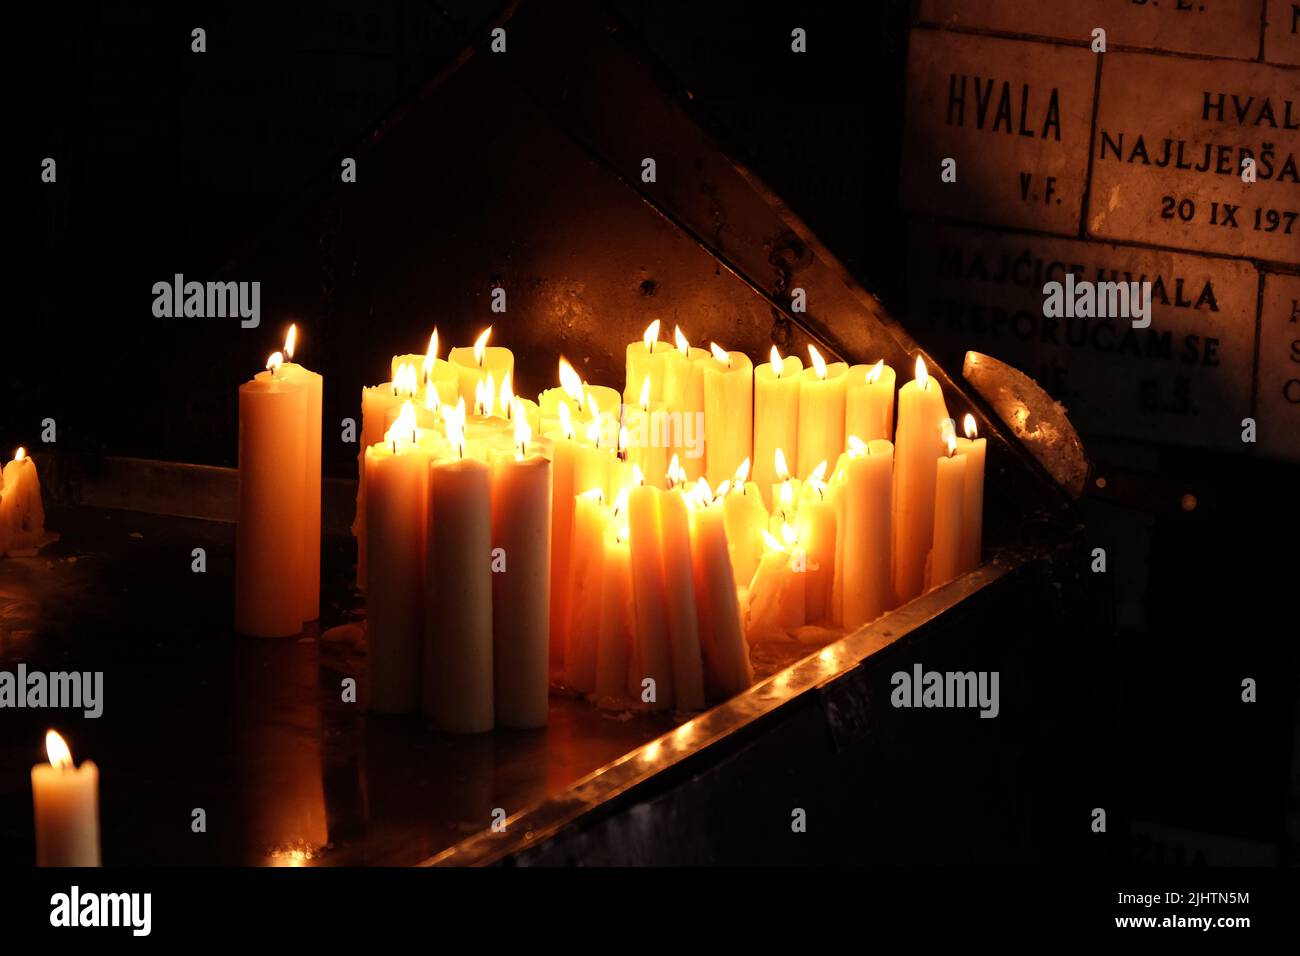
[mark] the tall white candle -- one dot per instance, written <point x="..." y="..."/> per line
<point x="313" y="385"/>
<point x="66" y="800"/>
<point x="728" y="412"/>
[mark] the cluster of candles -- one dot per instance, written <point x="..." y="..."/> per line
<point x="22" y="516"/>
<point x="589" y="535"/>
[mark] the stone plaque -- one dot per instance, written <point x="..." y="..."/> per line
<point x="1216" y="27"/>
<point x="1282" y="34"/>
<point x="1186" y="379"/>
<point x="1016" y="118"/>
<point x="1277" y="406"/>
<point x="1168" y="156"/>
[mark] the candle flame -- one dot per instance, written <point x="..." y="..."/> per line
<point x="720" y="353"/>
<point x="523" y="434"/>
<point x="290" y="340"/>
<point x="593" y="433"/>
<point x="571" y="382"/>
<point x="776" y="362"/>
<point x="857" y="447"/>
<point x="455" y="419"/>
<point x="703" y="493"/>
<point x="20" y="454"/>
<point x="56" y="748"/>
<point x="952" y="443"/>
<point x="623" y="440"/>
<point x="566" y="419"/>
<point x="742" y="473"/>
<point x="772" y="543"/>
<point x="620" y="503"/>
<point x="430" y="357"/>
<point x="638" y="477"/>
<point x="785" y="500"/>
<point x="782" y="470"/>
<point x="644" y="400"/>
<point x="274" y="362"/>
<point x="676" y="473"/>
<point x="922" y="377"/>
<point x="507" y="396"/>
<point x="876" y="371"/>
<point x="819" y="363"/>
<point x="594" y="495"/>
<point x="683" y="346"/>
<point x="480" y="346"/>
<point x="724" y="489"/>
<point x="788" y="535"/>
<point x="818" y="473"/>
<point x="968" y="425"/>
<point x="651" y="336"/>
<point x="432" y="400"/>
<point x="481" y="401"/>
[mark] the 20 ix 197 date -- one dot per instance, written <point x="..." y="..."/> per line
<point x="1228" y="214"/>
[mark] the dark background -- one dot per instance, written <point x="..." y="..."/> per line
<point x="174" y="162"/>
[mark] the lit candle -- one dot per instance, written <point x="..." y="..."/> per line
<point x="728" y="412"/>
<point x="22" y="515"/>
<point x="918" y="445"/>
<point x="269" y="540"/>
<point x="775" y="601"/>
<point x="564" y="454"/>
<point x="397" y="492"/>
<point x="727" y="670"/>
<point x="379" y="407"/>
<point x="66" y="801"/>
<point x="785" y="492"/>
<point x="590" y="524"/>
<point x="684" y="403"/>
<point x="521" y="540"/>
<point x="652" y="657"/>
<point x="617" y="622"/>
<point x="776" y="414"/>
<point x="944" y="562"/>
<point x="475" y="363"/>
<point x="822" y="389"/>
<point x="869" y="402"/>
<point x="458" y="678"/>
<point x="431" y="370"/>
<point x="815" y="522"/>
<point x="865" y="527"/>
<point x="310" y="523"/>
<point x="972" y="511"/>
<point x="679" y="593"/>
<point x="645" y="363"/>
<point x="745" y="519"/>
<point x="647" y="448"/>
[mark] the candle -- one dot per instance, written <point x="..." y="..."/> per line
<point x="684" y="403"/>
<point x="784" y="493"/>
<point x="865" y="527"/>
<point x="458" y="678"/>
<point x="269" y="560"/>
<point x="679" y="593"/>
<point x="66" y="800"/>
<point x="869" y="402"/>
<point x="918" y="445"/>
<point x="776" y="414"/>
<point x="727" y="669"/>
<point x="439" y="373"/>
<point x="617" y="622"/>
<point x="564" y="454"/>
<point x="815" y="523"/>
<point x="944" y="562"/>
<point x="310" y="523"/>
<point x="776" y="597"/>
<point x="647" y="448"/>
<point x="397" y="474"/>
<point x="474" y="364"/>
<point x="22" y="515"/>
<point x="728" y="412"/>
<point x="521" y="538"/>
<point x="822" y="389"/>
<point x="972" y="511"/>
<point x="590" y="525"/>
<point x="745" y="519"/>
<point x="652" y="657"/>
<point x="645" y="363"/>
<point x="379" y="406"/>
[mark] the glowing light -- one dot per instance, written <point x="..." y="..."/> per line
<point x="644" y="400"/>
<point x="922" y="376"/>
<point x="566" y="419"/>
<point x="620" y="503"/>
<point x="724" y="489"/>
<point x="431" y="356"/>
<point x="772" y="543"/>
<point x="968" y="425"/>
<point x="638" y="477"/>
<point x="290" y="340"/>
<point x="788" y="535"/>
<point x="782" y="470"/>
<point x="274" y="362"/>
<point x="877" y="370"/>
<point x="742" y="473"/>
<point x="683" y="346"/>
<point x="651" y="335"/>
<point x="776" y="363"/>
<point x="480" y="346"/>
<point x="818" y="473"/>
<point x="676" y="473"/>
<point x="455" y="420"/>
<point x="857" y="447"/>
<point x="571" y="382"/>
<point x="623" y="439"/>
<point x="523" y="434"/>
<point x="20" y="454"/>
<point x="56" y="748"/>
<point x="819" y="363"/>
<point x="432" y="400"/>
<point x="721" y="354"/>
<point x="952" y="444"/>
<point x="507" y="397"/>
